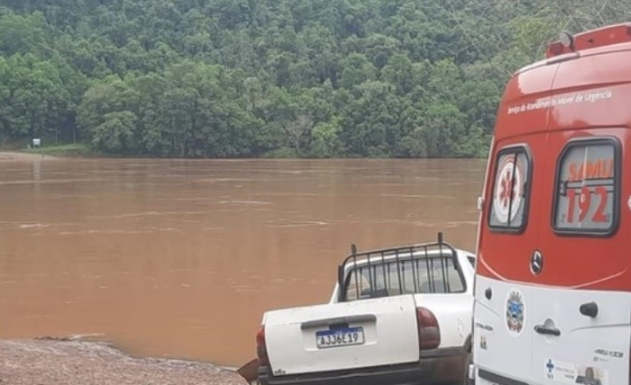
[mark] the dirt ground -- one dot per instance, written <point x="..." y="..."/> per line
<point x="55" y="362"/>
<point x="7" y="156"/>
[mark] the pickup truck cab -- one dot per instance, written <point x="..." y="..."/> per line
<point x="396" y="316"/>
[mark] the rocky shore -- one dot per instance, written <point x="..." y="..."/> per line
<point x="72" y="362"/>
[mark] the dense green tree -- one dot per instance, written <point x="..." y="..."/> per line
<point x="251" y="78"/>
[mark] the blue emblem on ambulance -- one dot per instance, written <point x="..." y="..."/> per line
<point x="515" y="310"/>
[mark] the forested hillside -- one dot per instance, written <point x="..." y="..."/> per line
<point x="248" y="78"/>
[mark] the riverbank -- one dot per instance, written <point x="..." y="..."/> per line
<point x="14" y="156"/>
<point x="72" y="362"/>
<point x="69" y="150"/>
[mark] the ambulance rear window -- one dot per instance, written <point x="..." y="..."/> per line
<point x="586" y="192"/>
<point x="509" y="208"/>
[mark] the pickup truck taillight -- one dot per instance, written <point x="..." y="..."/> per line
<point x="261" y="349"/>
<point x="428" y="329"/>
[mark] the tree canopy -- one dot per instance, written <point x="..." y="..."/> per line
<point x="251" y="78"/>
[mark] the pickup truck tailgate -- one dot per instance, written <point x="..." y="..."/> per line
<point x="349" y="335"/>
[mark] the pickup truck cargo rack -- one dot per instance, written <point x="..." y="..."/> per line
<point x="434" y="255"/>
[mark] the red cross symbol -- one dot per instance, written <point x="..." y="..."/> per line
<point x="505" y="189"/>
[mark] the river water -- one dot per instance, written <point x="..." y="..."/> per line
<point x="181" y="258"/>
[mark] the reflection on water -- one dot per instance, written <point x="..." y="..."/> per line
<point x="181" y="258"/>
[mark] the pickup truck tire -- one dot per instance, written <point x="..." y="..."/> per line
<point x="468" y="361"/>
<point x="464" y="379"/>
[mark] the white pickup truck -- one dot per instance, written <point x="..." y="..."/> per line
<point x="397" y="316"/>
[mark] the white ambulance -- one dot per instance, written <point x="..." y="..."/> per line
<point x="553" y="277"/>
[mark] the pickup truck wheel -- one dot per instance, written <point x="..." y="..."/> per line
<point x="465" y="377"/>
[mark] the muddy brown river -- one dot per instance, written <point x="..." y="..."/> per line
<point x="181" y="258"/>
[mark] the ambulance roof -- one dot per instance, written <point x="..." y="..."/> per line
<point x="574" y="81"/>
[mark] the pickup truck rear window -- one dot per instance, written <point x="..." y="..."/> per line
<point x="426" y="275"/>
<point x="586" y="194"/>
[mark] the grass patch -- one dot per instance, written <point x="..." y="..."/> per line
<point x="72" y="149"/>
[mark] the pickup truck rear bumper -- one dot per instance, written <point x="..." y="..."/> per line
<point x="435" y="367"/>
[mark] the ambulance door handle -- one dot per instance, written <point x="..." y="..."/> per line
<point x="547" y="331"/>
<point x="589" y="309"/>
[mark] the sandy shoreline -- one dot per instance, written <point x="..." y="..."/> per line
<point x="54" y="362"/>
<point x="13" y="156"/>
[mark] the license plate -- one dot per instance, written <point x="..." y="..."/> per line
<point x="339" y="337"/>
